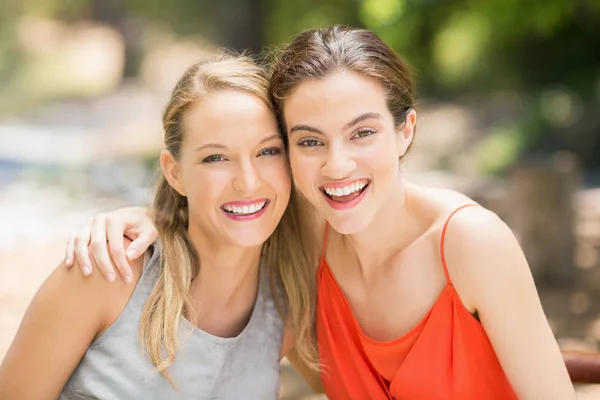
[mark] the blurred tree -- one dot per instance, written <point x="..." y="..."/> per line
<point x="548" y="52"/>
<point x="285" y="19"/>
<point x="114" y="13"/>
<point x="241" y="23"/>
<point x="545" y="51"/>
<point x="9" y="54"/>
<point x="235" y="24"/>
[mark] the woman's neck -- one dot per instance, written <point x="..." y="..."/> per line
<point x="227" y="274"/>
<point x="395" y="226"/>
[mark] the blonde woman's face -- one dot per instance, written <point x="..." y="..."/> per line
<point x="233" y="169"/>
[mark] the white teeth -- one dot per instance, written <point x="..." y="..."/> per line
<point x="346" y="190"/>
<point x="245" y="210"/>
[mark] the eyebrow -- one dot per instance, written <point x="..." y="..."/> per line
<point x="360" y="118"/>
<point x="305" y="128"/>
<point x="222" y="146"/>
<point x="269" y="138"/>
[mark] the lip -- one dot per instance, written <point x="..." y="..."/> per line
<point x="242" y="203"/>
<point x="336" y="205"/>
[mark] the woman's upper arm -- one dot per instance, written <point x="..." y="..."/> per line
<point x="310" y="376"/>
<point x="493" y="277"/>
<point x="287" y="344"/>
<point x="65" y="315"/>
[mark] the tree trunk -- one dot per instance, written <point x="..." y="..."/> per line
<point x="114" y="14"/>
<point x="241" y="24"/>
<point x="542" y="214"/>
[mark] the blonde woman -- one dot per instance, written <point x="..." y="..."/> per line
<point x="200" y="319"/>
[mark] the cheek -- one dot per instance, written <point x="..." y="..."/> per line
<point x="303" y="168"/>
<point x="382" y="156"/>
<point x="278" y="176"/>
<point x="205" y="188"/>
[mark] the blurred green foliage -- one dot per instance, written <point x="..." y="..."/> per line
<point x="546" y="51"/>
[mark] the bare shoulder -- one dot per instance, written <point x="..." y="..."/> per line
<point x="463" y="216"/>
<point x="478" y="248"/>
<point x="68" y="311"/>
<point x="482" y="255"/>
<point x="94" y="292"/>
<point x="445" y="200"/>
<point x="477" y="231"/>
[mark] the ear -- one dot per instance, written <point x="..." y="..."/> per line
<point x="171" y="171"/>
<point x="406" y="132"/>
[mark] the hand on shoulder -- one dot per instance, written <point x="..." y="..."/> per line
<point x="91" y="294"/>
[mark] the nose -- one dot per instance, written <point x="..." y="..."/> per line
<point x="248" y="179"/>
<point x="338" y="164"/>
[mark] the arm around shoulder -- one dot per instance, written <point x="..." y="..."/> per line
<point x="491" y="275"/>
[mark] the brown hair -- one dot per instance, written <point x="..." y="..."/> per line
<point x="286" y="252"/>
<point x="318" y="53"/>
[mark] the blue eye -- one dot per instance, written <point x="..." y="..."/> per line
<point x="309" y="143"/>
<point x="213" y="158"/>
<point x="363" y="133"/>
<point x="271" y="151"/>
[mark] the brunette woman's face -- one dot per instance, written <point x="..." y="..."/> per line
<point x="344" y="147"/>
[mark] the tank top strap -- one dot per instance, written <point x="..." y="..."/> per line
<point x="443" y="240"/>
<point x="324" y="246"/>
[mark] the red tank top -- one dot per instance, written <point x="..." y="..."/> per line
<point x="447" y="355"/>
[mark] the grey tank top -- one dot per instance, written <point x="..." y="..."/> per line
<point x="116" y="367"/>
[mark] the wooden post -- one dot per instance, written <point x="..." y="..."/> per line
<point x="583" y="367"/>
<point x="541" y="192"/>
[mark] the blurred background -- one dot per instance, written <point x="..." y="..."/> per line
<point x="509" y="107"/>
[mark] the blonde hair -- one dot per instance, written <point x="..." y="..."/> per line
<point x="287" y="252"/>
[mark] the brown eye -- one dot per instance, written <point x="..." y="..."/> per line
<point x="363" y="133"/>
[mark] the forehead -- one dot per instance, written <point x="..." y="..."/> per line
<point x="343" y="94"/>
<point x="229" y="116"/>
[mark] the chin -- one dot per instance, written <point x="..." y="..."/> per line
<point x="349" y="225"/>
<point x="248" y="244"/>
<point x="249" y="240"/>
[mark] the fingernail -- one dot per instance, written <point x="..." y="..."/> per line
<point x="67" y="261"/>
<point x="128" y="279"/>
<point x="131" y="253"/>
<point x="110" y="277"/>
<point x="86" y="270"/>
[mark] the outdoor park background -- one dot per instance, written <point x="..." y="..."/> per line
<point x="509" y="106"/>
